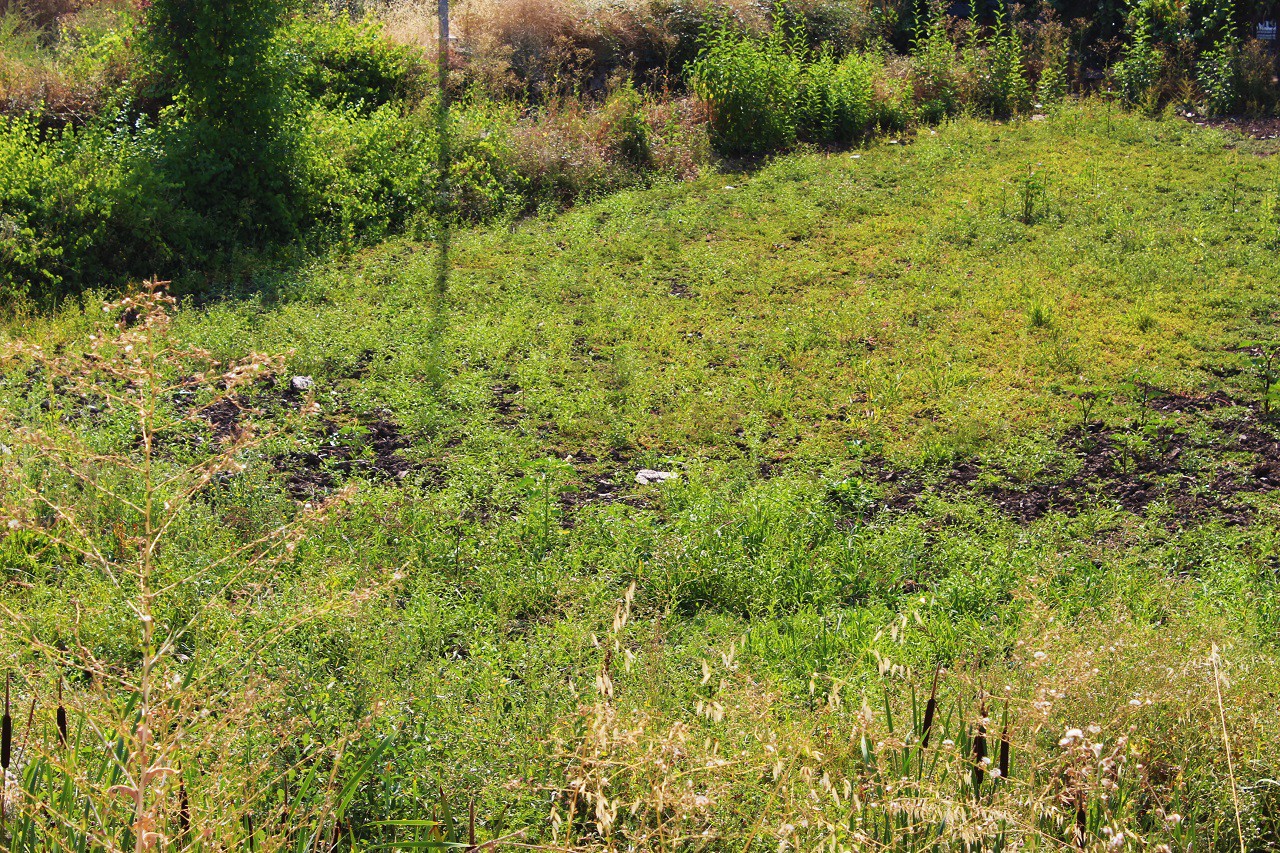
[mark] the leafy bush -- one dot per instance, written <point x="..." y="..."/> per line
<point x="79" y="208"/>
<point x="368" y="177"/>
<point x="751" y="88"/>
<point x="828" y="24"/>
<point x="349" y="64"/>
<point x="997" y="81"/>
<point x="836" y="100"/>
<point x="934" y="75"/>
<point x="1137" y="76"/>
<point x="623" y="128"/>
<point x="227" y="151"/>
<point x="1217" y="73"/>
<point x="1255" y="66"/>
<point x="1055" y="53"/>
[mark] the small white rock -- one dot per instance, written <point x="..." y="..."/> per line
<point x="302" y="383"/>
<point x="645" y="476"/>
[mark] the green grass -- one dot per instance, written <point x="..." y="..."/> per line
<point x="816" y="347"/>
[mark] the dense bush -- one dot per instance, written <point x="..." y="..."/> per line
<point x="996" y="79"/>
<point x="934" y="72"/>
<point x="80" y="208"/>
<point x="764" y="94"/>
<point x="1217" y="72"/>
<point x="837" y="102"/>
<point x="342" y="63"/>
<point x="1137" y="76"/>
<point x="751" y="87"/>
<point x="227" y="151"/>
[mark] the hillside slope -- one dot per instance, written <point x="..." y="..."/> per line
<point x="994" y="400"/>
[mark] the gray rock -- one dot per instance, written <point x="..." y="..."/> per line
<point x="302" y="383"/>
<point x="645" y="476"/>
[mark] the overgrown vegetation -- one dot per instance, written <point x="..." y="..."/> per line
<point x="823" y="426"/>
<point x="1015" y="422"/>
<point x="202" y="144"/>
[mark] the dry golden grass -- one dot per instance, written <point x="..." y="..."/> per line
<point x="559" y="46"/>
<point x="40" y="70"/>
<point x="1097" y="738"/>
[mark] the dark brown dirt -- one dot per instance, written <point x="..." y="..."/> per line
<point x="1179" y="403"/>
<point x="1252" y="128"/>
<point x="504" y="400"/>
<point x="1199" y="477"/>
<point x="373" y="452"/>
<point x="224" y="417"/>
<point x="600" y="481"/>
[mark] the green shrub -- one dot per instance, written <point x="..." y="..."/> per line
<point x="227" y="150"/>
<point x="997" y="80"/>
<point x="370" y="176"/>
<point x="1137" y="76"/>
<point x="623" y="128"/>
<point x="79" y="208"/>
<point x="934" y="75"/>
<point x="341" y="63"/>
<point x="1055" y="53"/>
<point x="751" y="88"/>
<point x="1217" y="73"/>
<point x="1254" y="69"/>
<point x="836" y="102"/>
<point x="840" y="27"/>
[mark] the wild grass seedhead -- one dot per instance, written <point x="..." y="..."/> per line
<point x="140" y="714"/>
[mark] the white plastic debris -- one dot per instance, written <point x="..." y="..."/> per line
<point x="645" y="476"/>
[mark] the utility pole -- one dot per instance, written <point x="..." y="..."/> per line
<point x="443" y="214"/>
<point x="444" y="27"/>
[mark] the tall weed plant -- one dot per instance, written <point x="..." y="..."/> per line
<point x="997" y="78"/>
<point x="751" y="87"/>
<point x="935" y="74"/>
<point x="1137" y="75"/>
<point x="837" y="99"/>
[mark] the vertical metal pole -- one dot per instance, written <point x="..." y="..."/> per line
<point x="444" y="30"/>
<point x="443" y="214"/>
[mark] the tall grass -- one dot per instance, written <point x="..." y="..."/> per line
<point x="161" y="745"/>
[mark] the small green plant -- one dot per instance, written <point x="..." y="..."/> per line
<point x="542" y="487"/>
<point x="1264" y="359"/>
<point x="1031" y="193"/>
<point x="1039" y="315"/>
<point x="1086" y="401"/>
<point x="852" y="496"/>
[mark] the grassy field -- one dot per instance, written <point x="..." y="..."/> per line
<point x="987" y="409"/>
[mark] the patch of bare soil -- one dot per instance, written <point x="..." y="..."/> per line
<point x="1264" y="129"/>
<point x="1200" y="477"/>
<point x="600" y="481"/>
<point x="372" y="451"/>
